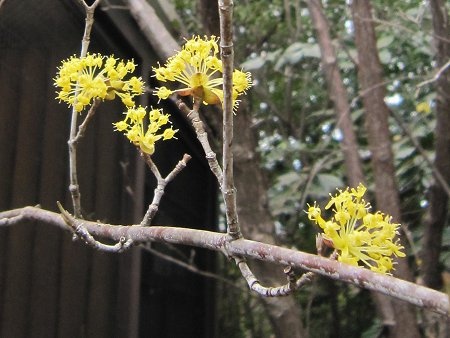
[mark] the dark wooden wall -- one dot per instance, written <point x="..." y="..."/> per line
<point x="51" y="286"/>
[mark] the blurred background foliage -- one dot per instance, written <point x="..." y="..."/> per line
<point x="300" y="145"/>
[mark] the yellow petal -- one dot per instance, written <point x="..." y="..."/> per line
<point x="209" y="97"/>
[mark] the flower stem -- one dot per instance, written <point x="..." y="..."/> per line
<point x="74" y="187"/>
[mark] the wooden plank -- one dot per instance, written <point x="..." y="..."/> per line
<point x="73" y="293"/>
<point x="10" y="61"/>
<point x="102" y="301"/>
<point x="52" y="187"/>
<point x="26" y="172"/>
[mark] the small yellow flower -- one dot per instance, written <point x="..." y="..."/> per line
<point x="82" y="80"/>
<point x="168" y="134"/>
<point x="134" y="128"/>
<point x="423" y="107"/>
<point x="198" y="68"/>
<point x="357" y="234"/>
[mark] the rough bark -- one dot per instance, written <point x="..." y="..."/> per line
<point x="376" y="117"/>
<point x="437" y="215"/>
<point x="349" y="145"/>
<point x="364" y="278"/>
<point x="438" y="210"/>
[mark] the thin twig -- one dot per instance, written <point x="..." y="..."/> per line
<point x="290" y="287"/>
<point x="74" y="187"/>
<point x="161" y="183"/>
<point x="402" y="27"/>
<point x="83" y="126"/>
<point x="434" y="78"/>
<point x="436" y="173"/>
<point x="194" y="117"/>
<point x="294" y="283"/>
<point x="194" y="269"/>
<point x="81" y="232"/>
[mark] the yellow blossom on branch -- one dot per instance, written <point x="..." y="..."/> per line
<point x="145" y="132"/>
<point x="356" y="234"/>
<point x="199" y="69"/>
<point x="82" y="80"/>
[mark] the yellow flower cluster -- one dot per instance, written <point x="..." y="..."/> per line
<point x="82" y="80"/>
<point x="357" y="234"/>
<point x="423" y="107"/>
<point x="198" y="68"/>
<point x="133" y="126"/>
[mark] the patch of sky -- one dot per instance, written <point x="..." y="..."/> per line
<point x="394" y="100"/>
<point x="337" y="135"/>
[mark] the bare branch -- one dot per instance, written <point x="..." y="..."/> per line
<point x="180" y="166"/>
<point x="193" y="268"/>
<point x="202" y="136"/>
<point x="434" y="78"/>
<point x="227" y="56"/>
<point x="74" y="187"/>
<point x="81" y="232"/>
<point x="364" y="278"/>
<point x="290" y="287"/>
<point x="436" y="173"/>
<point x="83" y="126"/>
<point x="160" y="185"/>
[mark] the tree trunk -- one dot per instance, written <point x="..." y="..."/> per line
<point x="338" y="95"/>
<point x="437" y="215"/>
<point x="257" y="224"/>
<point x="379" y="139"/>
<point x="438" y="210"/>
<point x="254" y="215"/>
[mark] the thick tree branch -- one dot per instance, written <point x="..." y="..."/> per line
<point x="400" y="289"/>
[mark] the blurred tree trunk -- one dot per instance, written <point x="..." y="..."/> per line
<point x="437" y="216"/>
<point x="438" y="210"/>
<point x="376" y="114"/>
<point x="338" y="95"/>
<point x="252" y="186"/>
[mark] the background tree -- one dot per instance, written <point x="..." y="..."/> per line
<point x="379" y="140"/>
<point x="281" y="117"/>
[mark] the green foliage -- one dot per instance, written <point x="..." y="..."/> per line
<point x="298" y="140"/>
